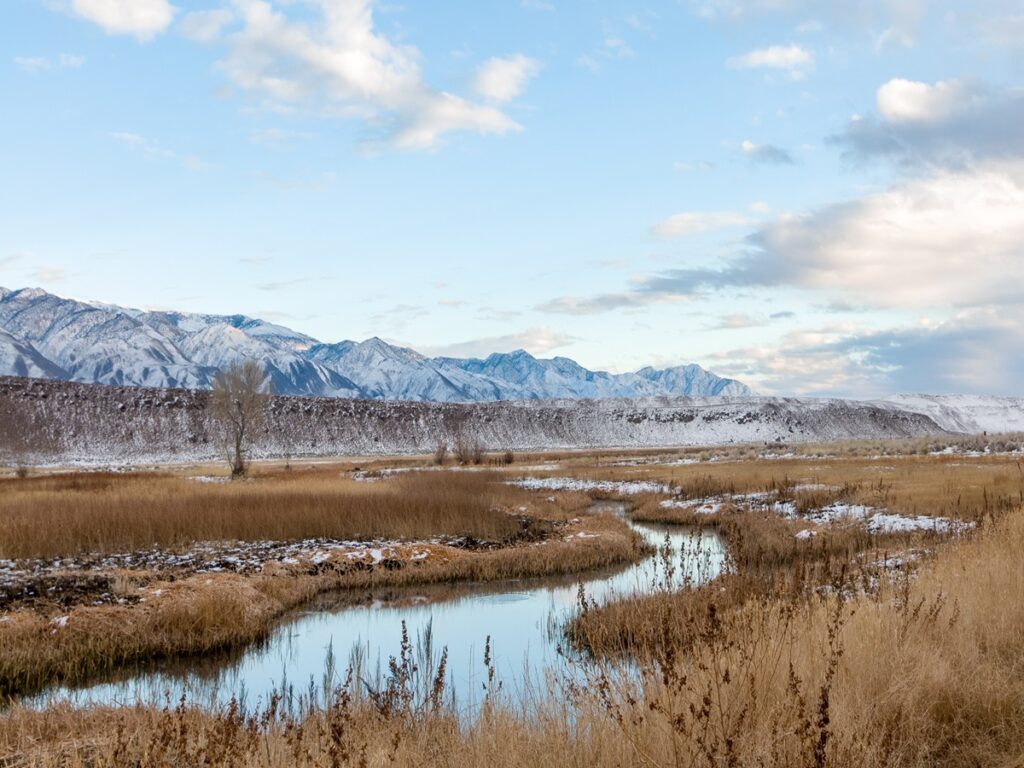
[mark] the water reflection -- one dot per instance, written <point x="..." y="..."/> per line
<point x="523" y="619"/>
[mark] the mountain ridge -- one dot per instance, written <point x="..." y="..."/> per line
<point x="46" y="336"/>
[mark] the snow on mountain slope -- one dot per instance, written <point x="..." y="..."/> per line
<point x="221" y="346"/>
<point x="530" y="378"/>
<point x="388" y="372"/>
<point x="96" y="345"/>
<point x="22" y="359"/>
<point x="104" y="343"/>
<point x="562" y="377"/>
<point x="177" y="324"/>
<point x="694" y="379"/>
<point x="965" y="413"/>
<point x="102" y="425"/>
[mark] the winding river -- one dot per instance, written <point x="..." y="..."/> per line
<point x="523" y="618"/>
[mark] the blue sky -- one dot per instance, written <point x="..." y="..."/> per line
<point x="816" y="198"/>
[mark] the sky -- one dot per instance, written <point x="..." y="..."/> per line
<point x="816" y="198"/>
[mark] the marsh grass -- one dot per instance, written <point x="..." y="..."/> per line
<point x="926" y="672"/>
<point x="788" y="660"/>
<point x="208" y="613"/>
<point x="59" y="516"/>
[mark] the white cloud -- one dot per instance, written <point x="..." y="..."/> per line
<point x="971" y="352"/>
<point x="681" y="167"/>
<point x="153" y="150"/>
<point x="909" y="101"/>
<point x="682" y="224"/>
<point x="345" y="67"/>
<point x="503" y="79"/>
<point x="953" y="123"/>
<point x="136" y="142"/>
<point x="32" y="64"/>
<point x="738" y="320"/>
<point x="49" y="274"/>
<point x="794" y="59"/>
<point x="206" y="26"/>
<point x="536" y="341"/>
<point x="36" y="64"/>
<point x="142" y="19"/>
<point x="950" y="239"/>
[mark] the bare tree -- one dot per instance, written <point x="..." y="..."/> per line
<point x="239" y="404"/>
<point x="468" y="450"/>
<point x="441" y="452"/>
<point x="22" y="439"/>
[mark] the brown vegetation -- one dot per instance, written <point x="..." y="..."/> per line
<point x="925" y="673"/>
<point x="66" y="515"/>
<point x="806" y="654"/>
<point x="63" y="516"/>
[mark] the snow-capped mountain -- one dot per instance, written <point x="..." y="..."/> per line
<point x="45" y="336"/>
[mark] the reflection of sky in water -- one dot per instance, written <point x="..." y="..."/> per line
<point x="522" y="618"/>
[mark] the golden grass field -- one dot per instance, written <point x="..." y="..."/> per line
<point x="806" y="654"/>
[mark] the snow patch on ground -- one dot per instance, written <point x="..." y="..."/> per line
<point x="697" y="506"/>
<point x="626" y="487"/>
<point x="877" y="521"/>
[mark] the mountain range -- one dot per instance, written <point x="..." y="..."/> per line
<point x="49" y="337"/>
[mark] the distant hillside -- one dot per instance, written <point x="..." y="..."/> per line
<point x="97" y="425"/>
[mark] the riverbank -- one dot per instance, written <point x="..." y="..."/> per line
<point x="925" y="672"/>
<point x="86" y="614"/>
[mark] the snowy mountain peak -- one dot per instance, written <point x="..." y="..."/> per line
<point x="46" y="336"/>
<point x="28" y="294"/>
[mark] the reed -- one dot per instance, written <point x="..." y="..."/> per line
<point x="924" y="673"/>
<point x="66" y="515"/>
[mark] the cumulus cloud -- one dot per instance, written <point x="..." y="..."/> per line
<point x="907" y="101"/>
<point x="141" y="19"/>
<point x="949" y="239"/>
<point x="973" y="352"/>
<point x="503" y="79"/>
<point x="951" y="123"/>
<point x="793" y="59"/>
<point x="206" y="26"/>
<point x="682" y="224"/>
<point x="345" y="67"/>
<point x="766" y="153"/>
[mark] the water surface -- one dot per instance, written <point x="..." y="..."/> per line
<point x="523" y="618"/>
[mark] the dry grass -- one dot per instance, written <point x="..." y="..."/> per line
<point x="67" y="515"/>
<point x="927" y="673"/>
<point x="966" y="488"/>
<point x="59" y="516"/>
<point x="763" y="668"/>
<point x="767" y="560"/>
<point x="200" y="614"/>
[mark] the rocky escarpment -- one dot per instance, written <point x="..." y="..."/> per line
<point x="96" y="424"/>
